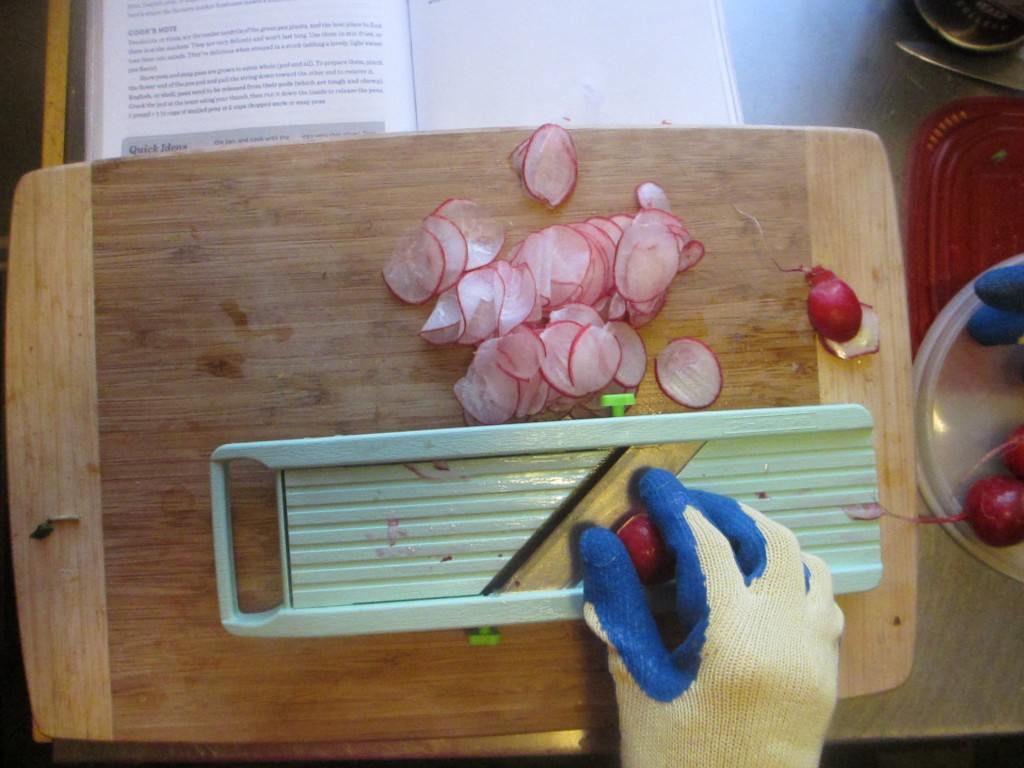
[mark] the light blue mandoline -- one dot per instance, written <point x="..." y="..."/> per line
<point x="403" y="531"/>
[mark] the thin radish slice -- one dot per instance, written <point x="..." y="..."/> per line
<point x="651" y="195"/>
<point x="481" y="294"/>
<point x="515" y="157"/>
<point x="608" y="226"/>
<point x="601" y="306"/>
<point x="640" y="313"/>
<point x="486" y="393"/>
<point x="453" y="244"/>
<point x="446" y="323"/>
<point x="866" y="342"/>
<point x="548" y="165"/>
<point x="633" y="365"/>
<point x="598" y="280"/>
<point x="690" y="253"/>
<point x="533" y="396"/>
<point x="594" y="358"/>
<point x="617" y="306"/>
<point x="582" y="314"/>
<point x="484" y="234"/>
<point x="622" y="220"/>
<point x="688" y="371"/>
<point x="570" y="255"/>
<point x="646" y="259"/>
<point x="520" y="353"/>
<point x="558" y="338"/>
<point x="414" y="271"/>
<point x="596" y="235"/>
<point x="532" y="252"/>
<point x="521" y="301"/>
<point x="670" y="220"/>
<point x="558" y="403"/>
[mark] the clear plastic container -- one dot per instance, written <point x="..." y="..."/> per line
<point x="968" y="398"/>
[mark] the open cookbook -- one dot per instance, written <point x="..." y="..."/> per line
<point x="170" y="75"/>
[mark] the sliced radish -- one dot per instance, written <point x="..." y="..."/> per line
<point x="598" y="279"/>
<point x="617" y="306"/>
<point x="446" y="323"/>
<point x="646" y="259"/>
<point x="690" y="252"/>
<point x="633" y="364"/>
<point x="558" y="338"/>
<point x="651" y="195"/>
<point x="865" y="342"/>
<point x="621" y="220"/>
<point x="481" y="293"/>
<point x="453" y="244"/>
<point x="554" y="322"/>
<point x="521" y="302"/>
<point x="533" y="396"/>
<point x="594" y="358"/>
<point x="520" y="353"/>
<point x="484" y="234"/>
<point x="582" y="314"/>
<point x="570" y="255"/>
<point x="486" y="393"/>
<point x="670" y="220"/>
<point x="515" y="158"/>
<point x="416" y="267"/>
<point x="547" y="165"/>
<point x="640" y="313"/>
<point x="688" y="371"/>
<point x="608" y="226"/>
<point x="533" y="253"/>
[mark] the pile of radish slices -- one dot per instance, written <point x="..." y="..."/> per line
<point x="553" y="317"/>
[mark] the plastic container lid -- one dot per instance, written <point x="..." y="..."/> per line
<point x="964" y="198"/>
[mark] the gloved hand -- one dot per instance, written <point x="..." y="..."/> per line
<point x="1000" y="318"/>
<point x="754" y="681"/>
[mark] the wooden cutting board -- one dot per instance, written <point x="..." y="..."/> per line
<point x="160" y="307"/>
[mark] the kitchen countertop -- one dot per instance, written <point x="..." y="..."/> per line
<point x="836" y="64"/>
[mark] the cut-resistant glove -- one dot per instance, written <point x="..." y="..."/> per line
<point x="1000" y="318"/>
<point x="753" y="682"/>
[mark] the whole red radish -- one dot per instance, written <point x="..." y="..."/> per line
<point x="651" y="558"/>
<point x="1013" y="458"/>
<point x="994" y="508"/>
<point x="834" y="310"/>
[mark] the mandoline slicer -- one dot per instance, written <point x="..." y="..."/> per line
<point x="408" y="531"/>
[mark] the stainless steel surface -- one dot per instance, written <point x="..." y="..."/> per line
<point x="809" y="62"/>
<point x="1004" y="69"/>
<point x="836" y="63"/>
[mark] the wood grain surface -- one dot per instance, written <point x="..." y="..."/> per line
<point x="53" y="448"/>
<point x="236" y="296"/>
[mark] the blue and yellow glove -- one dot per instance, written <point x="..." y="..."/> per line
<point x="753" y="682"/>
<point x="1000" y="318"/>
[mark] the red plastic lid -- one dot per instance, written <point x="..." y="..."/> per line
<point x="964" y="201"/>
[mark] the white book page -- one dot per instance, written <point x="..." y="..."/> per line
<point x="170" y="75"/>
<point x="505" y="63"/>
